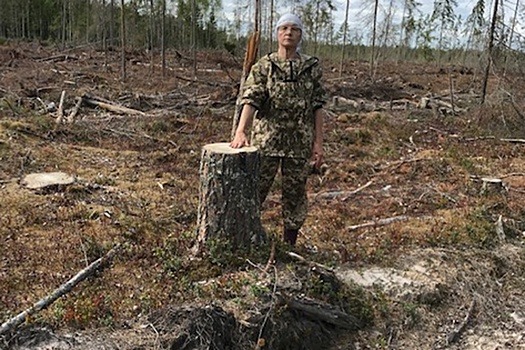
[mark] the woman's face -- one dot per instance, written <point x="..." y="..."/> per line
<point x="289" y="36"/>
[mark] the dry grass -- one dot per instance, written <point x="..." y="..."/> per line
<point x="138" y="185"/>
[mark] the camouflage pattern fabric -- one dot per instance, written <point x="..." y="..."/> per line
<point x="286" y="94"/>
<point x="294" y="172"/>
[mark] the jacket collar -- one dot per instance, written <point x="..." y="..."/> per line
<point x="304" y="62"/>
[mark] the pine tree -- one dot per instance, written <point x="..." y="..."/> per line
<point x="444" y="17"/>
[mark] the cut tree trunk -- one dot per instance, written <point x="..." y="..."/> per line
<point x="229" y="212"/>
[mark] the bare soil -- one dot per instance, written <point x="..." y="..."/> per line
<point x="415" y="227"/>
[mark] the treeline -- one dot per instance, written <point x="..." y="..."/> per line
<point x="181" y="24"/>
<point x="372" y="30"/>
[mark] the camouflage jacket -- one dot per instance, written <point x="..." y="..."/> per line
<point x="286" y="94"/>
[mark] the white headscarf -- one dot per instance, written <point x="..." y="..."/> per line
<point x="289" y="18"/>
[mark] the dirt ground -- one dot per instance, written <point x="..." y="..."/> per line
<point x="415" y="227"/>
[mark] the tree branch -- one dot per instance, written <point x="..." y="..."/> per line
<point x="57" y="293"/>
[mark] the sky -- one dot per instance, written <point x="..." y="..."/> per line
<point x="360" y="10"/>
<point x="357" y="7"/>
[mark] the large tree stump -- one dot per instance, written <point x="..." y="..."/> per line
<point x="229" y="212"/>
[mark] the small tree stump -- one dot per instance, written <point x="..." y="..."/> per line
<point x="491" y="184"/>
<point x="229" y="210"/>
<point x="42" y="180"/>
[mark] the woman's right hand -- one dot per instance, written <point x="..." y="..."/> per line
<point x="239" y="140"/>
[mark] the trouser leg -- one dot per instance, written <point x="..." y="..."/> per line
<point x="294" y="202"/>
<point x="268" y="170"/>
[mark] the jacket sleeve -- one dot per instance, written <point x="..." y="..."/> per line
<point x="255" y="90"/>
<point x="319" y="93"/>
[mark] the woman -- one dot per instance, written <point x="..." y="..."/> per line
<point x="283" y="98"/>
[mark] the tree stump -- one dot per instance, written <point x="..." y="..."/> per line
<point x="42" y="180"/>
<point x="229" y="212"/>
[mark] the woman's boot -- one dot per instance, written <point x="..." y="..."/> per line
<point x="290" y="236"/>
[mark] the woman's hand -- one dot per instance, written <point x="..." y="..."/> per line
<point x="240" y="140"/>
<point x="317" y="154"/>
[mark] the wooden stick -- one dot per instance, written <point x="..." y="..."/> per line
<point x="308" y="262"/>
<point x="333" y="194"/>
<point x="468" y="139"/>
<point x="73" y="114"/>
<point x="514" y="105"/>
<point x="44" y="89"/>
<point x="454" y="335"/>
<point x="380" y="222"/>
<point x="450" y="198"/>
<point x="398" y="163"/>
<point x="500" y="231"/>
<point x="271" y="258"/>
<point x="260" y="339"/>
<point x="513" y="140"/>
<point x="451" y="88"/>
<point x="57" y="293"/>
<point x="8" y="181"/>
<point x="60" y="113"/>
<point x="357" y="190"/>
<point x="511" y="174"/>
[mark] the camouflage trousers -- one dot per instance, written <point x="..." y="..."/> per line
<point x="294" y="174"/>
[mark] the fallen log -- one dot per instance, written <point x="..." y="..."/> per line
<point x="339" y="100"/>
<point x="320" y="312"/>
<point x="57" y="293"/>
<point x="403" y="104"/>
<point x="111" y="107"/>
<point x="57" y="58"/>
<point x="443" y="106"/>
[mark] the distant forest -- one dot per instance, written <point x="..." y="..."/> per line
<point x="390" y="29"/>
